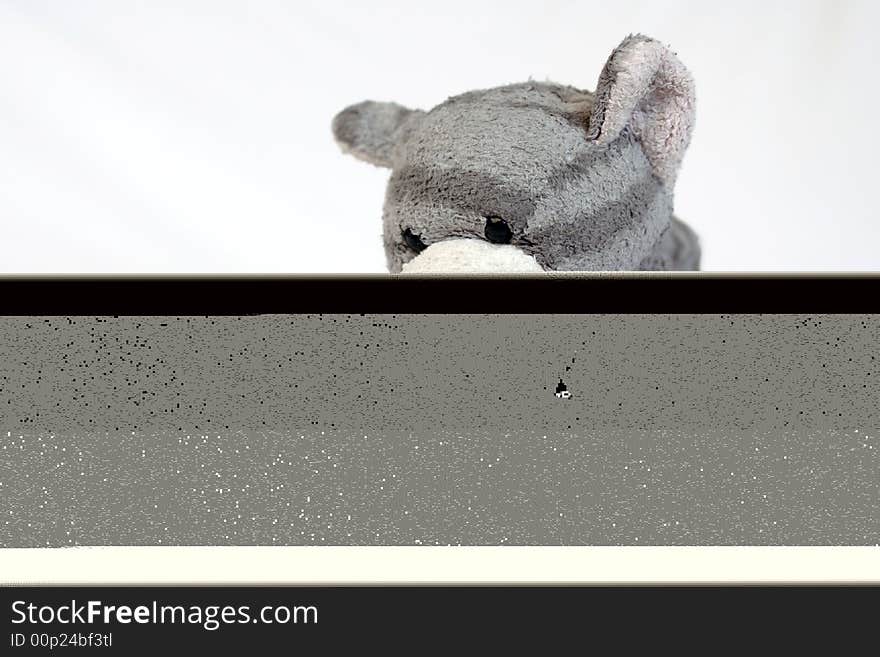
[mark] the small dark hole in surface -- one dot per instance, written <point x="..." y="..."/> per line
<point x="414" y="241"/>
<point x="497" y="231"/>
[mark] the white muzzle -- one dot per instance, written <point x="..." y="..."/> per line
<point x="461" y="256"/>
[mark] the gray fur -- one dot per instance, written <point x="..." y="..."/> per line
<point x="582" y="179"/>
<point x="370" y="131"/>
<point x="644" y="87"/>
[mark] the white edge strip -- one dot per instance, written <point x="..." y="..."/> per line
<point x="438" y="565"/>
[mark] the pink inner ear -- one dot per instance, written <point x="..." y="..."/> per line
<point x="646" y="87"/>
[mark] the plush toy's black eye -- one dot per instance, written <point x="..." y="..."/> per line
<point x="497" y="231"/>
<point x="414" y="241"/>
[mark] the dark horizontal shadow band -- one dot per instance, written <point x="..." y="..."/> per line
<point x="584" y="294"/>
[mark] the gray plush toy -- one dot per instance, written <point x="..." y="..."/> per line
<point x="537" y="176"/>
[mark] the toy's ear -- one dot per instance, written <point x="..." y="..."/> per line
<point x="645" y="86"/>
<point x="370" y="130"/>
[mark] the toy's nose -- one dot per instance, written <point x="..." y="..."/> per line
<point x="471" y="256"/>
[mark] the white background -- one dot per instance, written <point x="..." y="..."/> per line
<point x="184" y="136"/>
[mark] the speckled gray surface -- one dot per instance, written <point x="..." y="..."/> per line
<point x="440" y="429"/>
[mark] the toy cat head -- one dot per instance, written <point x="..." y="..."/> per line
<point x="537" y="176"/>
